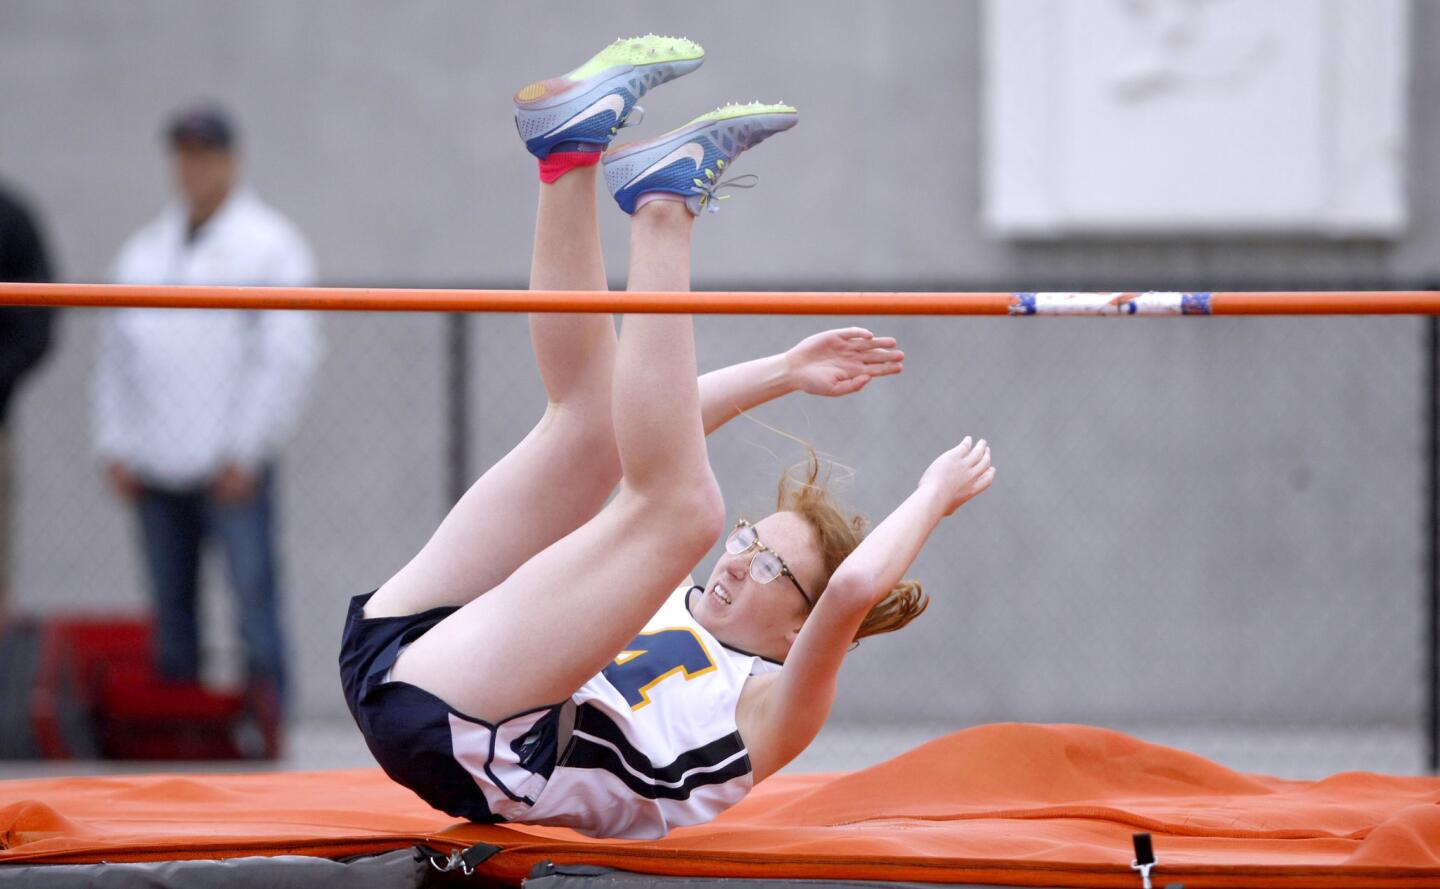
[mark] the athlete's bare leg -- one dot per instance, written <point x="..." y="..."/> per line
<point x="560" y="617"/>
<point x="559" y="475"/>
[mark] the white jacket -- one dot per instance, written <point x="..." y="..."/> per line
<point x="179" y="393"/>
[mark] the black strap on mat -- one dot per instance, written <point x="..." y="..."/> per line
<point x="465" y="861"/>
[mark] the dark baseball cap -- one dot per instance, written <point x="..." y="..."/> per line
<point x="206" y="125"/>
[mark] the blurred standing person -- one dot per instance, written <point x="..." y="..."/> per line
<point x="192" y="405"/>
<point x="25" y="334"/>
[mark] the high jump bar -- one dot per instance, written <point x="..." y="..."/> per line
<point x="371" y="299"/>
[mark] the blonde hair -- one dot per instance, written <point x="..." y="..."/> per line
<point x="804" y="492"/>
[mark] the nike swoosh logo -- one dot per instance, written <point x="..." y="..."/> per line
<point x="690" y="150"/>
<point x="613" y="103"/>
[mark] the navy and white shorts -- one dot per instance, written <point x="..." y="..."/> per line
<point x="461" y="765"/>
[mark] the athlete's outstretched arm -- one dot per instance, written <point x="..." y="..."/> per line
<point x="798" y="701"/>
<point x="835" y="362"/>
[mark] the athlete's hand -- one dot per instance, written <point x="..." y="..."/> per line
<point x="839" y="362"/>
<point x="959" y="474"/>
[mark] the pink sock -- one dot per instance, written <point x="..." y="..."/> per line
<point x="561" y="162"/>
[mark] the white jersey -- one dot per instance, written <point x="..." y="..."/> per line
<point x="654" y="745"/>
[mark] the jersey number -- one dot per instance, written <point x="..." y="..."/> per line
<point x="651" y="657"/>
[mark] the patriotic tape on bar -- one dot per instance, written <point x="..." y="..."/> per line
<point x="720" y="302"/>
<point x="1155" y="303"/>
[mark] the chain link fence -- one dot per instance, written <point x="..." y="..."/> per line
<point x="1207" y="532"/>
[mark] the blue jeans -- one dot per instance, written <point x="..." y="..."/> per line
<point x="173" y="527"/>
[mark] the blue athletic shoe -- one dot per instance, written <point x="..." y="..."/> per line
<point x="690" y="161"/>
<point x="585" y="108"/>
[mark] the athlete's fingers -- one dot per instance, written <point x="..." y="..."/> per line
<point x="884" y="370"/>
<point x="848" y="385"/>
<point x="874" y="342"/>
<point x="882" y="355"/>
<point x="984" y="462"/>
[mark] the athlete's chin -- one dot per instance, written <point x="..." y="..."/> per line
<point x="711" y="613"/>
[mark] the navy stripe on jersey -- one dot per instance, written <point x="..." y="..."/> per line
<point x="587" y="754"/>
<point x="595" y="722"/>
<point x="598" y="743"/>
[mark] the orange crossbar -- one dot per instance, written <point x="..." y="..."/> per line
<point x="372" y="299"/>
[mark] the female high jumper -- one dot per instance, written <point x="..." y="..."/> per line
<point x="535" y="662"/>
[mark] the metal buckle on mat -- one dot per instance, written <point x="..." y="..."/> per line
<point x="465" y="861"/>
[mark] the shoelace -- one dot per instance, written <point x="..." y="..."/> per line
<point x="707" y="190"/>
<point x="634" y="118"/>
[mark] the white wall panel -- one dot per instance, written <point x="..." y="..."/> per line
<point x="1171" y="117"/>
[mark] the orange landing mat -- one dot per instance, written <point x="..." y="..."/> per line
<point x="1019" y="805"/>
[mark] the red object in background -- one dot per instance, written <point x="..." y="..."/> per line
<point x="96" y="694"/>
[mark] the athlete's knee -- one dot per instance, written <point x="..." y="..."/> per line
<point x="695" y="513"/>
<point x="710" y="510"/>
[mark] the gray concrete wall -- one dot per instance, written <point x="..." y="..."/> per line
<point x="1211" y="521"/>
<point x="384" y="130"/>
